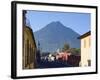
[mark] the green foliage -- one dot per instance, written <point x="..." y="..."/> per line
<point x="75" y="51"/>
<point x="66" y="47"/>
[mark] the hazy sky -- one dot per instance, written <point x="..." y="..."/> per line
<point x="79" y="22"/>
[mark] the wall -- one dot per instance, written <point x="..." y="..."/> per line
<point x="5" y="40"/>
<point x="85" y="51"/>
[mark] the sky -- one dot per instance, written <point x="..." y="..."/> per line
<point x="79" y="22"/>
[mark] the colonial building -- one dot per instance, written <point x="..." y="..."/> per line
<point x="29" y="46"/>
<point x="29" y="49"/>
<point x="85" y="49"/>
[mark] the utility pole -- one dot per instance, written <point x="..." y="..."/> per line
<point x="24" y="18"/>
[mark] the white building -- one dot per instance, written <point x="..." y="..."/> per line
<point x="85" y="49"/>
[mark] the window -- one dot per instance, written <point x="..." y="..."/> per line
<point x="89" y="62"/>
<point x="84" y="43"/>
<point x="89" y="41"/>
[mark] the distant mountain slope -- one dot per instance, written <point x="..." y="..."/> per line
<point x="54" y="35"/>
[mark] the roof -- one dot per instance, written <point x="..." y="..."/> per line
<point x="85" y="35"/>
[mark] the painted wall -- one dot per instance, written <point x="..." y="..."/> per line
<point x="29" y="49"/>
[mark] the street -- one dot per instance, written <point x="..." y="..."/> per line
<point x="52" y="64"/>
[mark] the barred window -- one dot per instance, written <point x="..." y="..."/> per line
<point x="89" y="62"/>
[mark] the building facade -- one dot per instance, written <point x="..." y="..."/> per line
<point x="85" y="49"/>
<point x="29" y="49"/>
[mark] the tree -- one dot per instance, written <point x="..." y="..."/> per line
<point x="75" y="51"/>
<point x="66" y="47"/>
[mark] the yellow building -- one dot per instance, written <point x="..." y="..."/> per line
<point x="85" y="49"/>
<point x="29" y="48"/>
